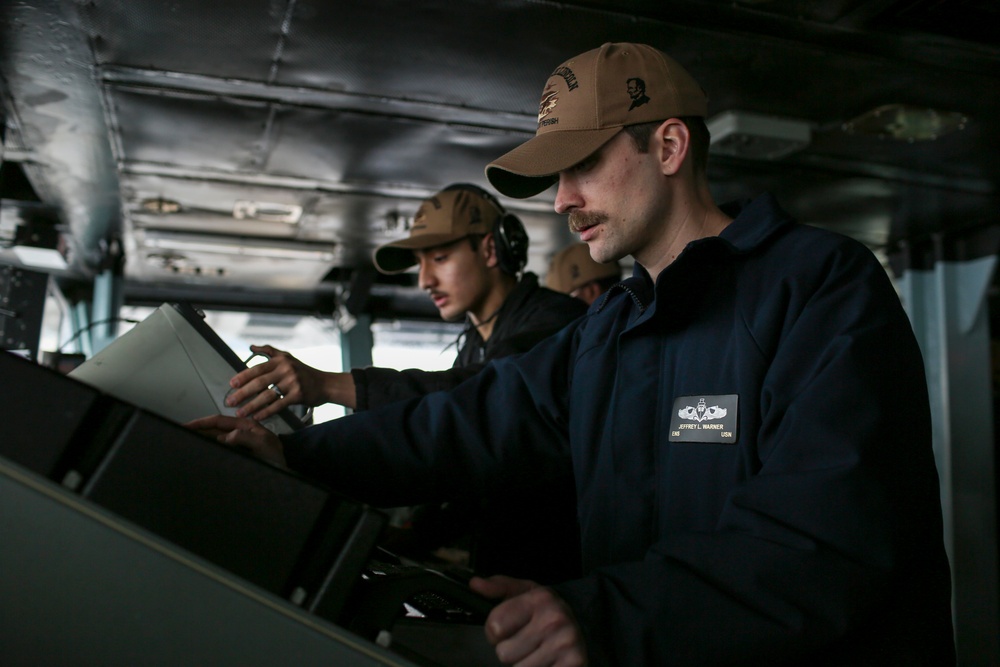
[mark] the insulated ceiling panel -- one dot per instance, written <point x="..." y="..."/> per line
<point x="352" y="111"/>
<point x="223" y="38"/>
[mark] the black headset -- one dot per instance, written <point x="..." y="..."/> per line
<point x="509" y="236"/>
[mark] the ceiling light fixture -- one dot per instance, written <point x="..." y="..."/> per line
<point x="232" y="247"/>
<point x="40" y="246"/>
<point x="901" y="122"/>
<point x="756" y="136"/>
<point x="160" y="205"/>
<point x="267" y="212"/>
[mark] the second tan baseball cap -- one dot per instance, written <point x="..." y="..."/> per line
<point x="586" y="101"/>
<point x="454" y="213"/>
<point x="572" y="267"/>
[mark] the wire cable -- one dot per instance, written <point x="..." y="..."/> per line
<point x="92" y="325"/>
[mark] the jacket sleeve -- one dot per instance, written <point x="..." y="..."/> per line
<point x="376" y="387"/>
<point x="542" y="317"/>
<point x="524" y="341"/>
<point x="444" y="444"/>
<point x="830" y="551"/>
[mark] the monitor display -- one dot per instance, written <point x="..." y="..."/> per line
<point x="174" y="365"/>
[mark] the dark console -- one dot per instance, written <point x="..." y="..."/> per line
<point x="274" y="528"/>
<point x="265" y="525"/>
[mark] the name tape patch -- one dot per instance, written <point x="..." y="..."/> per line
<point x="709" y="419"/>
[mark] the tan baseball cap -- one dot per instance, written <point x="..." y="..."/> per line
<point x="452" y="214"/>
<point x="572" y="267"/>
<point x="586" y="101"/>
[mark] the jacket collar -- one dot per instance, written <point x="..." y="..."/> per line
<point x="754" y="222"/>
<point x="522" y="290"/>
<point x="527" y="284"/>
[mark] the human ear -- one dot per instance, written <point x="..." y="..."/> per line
<point x="488" y="250"/>
<point x="672" y="140"/>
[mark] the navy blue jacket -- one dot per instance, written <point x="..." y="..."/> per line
<point x="807" y="530"/>
<point x="530" y="531"/>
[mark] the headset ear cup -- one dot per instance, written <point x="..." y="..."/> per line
<point x="511" y="242"/>
<point x="510" y="239"/>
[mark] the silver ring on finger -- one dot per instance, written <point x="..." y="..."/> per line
<point x="274" y="388"/>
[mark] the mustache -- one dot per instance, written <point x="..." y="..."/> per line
<point x="580" y="220"/>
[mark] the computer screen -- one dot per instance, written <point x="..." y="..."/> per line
<point x="174" y="365"/>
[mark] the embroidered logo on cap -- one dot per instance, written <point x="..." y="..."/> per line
<point x="568" y="76"/>
<point x="636" y="88"/>
<point x="547" y="106"/>
<point x="550" y="98"/>
<point x="710" y="419"/>
<point x="475" y="215"/>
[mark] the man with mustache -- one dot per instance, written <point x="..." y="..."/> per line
<point x="746" y="416"/>
<point x="470" y="254"/>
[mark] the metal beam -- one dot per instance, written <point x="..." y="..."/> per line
<point x="948" y="309"/>
<point x="108" y="299"/>
<point x="356" y="342"/>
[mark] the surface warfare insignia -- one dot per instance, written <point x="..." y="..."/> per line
<point x="709" y="419"/>
<point x="546" y="106"/>
<point x="702" y="412"/>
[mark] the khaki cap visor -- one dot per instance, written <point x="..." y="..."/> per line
<point x="398" y="256"/>
<point x="535" y="165"/>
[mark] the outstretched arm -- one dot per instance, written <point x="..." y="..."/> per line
<point x="282" y="381"/>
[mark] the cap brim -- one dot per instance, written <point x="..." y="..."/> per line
<point x="535" y="165"/>
<point x="398" y="256"/>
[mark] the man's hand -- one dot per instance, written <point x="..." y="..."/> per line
<point x="533" y="626"/>
<point x="282" y="381"/>
<point x="242" y="432"/>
